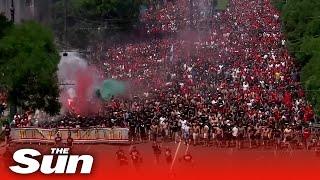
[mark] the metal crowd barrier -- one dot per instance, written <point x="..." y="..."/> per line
<point x="90" y="135"/>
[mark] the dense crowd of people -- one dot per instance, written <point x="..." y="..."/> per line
<point x="232" y="82"/>
<point x="177" y="15"/>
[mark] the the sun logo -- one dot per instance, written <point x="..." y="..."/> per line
<point x="65" y="163"/>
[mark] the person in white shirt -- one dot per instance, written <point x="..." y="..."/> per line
<point x="245" y="86"/>
<point x="186" y="133"/>
<point x="162" y="119"/>
<point x="235" y="131"/>
<point x="206" y="135"/>
<point x="183" y="124"/>
<point x="287" y="132"/>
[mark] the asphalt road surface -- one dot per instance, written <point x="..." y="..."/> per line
<point x="208" y="163"/>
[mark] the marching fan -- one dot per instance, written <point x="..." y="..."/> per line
<point x="7" y="131"/>
<point x="187" y="159"/>
<point x="168" y="156"/>
<point x="121" y="157"/>
<point x="69" y="141"/>
<point x="136" y="157"/>
<point x="58" y="139"/>
<point x="157" y="151"/>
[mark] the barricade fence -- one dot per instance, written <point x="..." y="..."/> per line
<point x="90" y="135"/>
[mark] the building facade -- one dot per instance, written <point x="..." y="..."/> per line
<point x="38" y="10"/>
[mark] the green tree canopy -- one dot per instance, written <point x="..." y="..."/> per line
<point x="4" y="25"/>
<point x="310" y="77"/>
<point x="28" y="65"/>
<point x="301" y="20"/>
<point x="87" y="19"/>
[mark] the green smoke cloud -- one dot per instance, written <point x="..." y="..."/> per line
<point x="110" y="88"/>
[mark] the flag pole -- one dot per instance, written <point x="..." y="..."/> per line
<point x="175" y="156"/>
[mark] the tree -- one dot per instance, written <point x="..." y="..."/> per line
<point x="87" y="19"/>
<point x="301" y="20"/>
<point x="310" y="77"/>
<point x="5" y="24"/>
<point x="28" y="66"/>
<point x="279" y="4"/>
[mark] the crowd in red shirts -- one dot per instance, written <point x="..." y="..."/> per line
<point x="241" y="62"/>
<point x="235" y="73"/>
<point x="177" y="15"/>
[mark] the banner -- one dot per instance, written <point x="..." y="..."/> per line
<point x="90" y="135"/>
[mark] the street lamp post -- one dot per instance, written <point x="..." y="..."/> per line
<point x="12" y="11"/>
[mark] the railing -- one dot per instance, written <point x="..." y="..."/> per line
<point x="90" y="135"/>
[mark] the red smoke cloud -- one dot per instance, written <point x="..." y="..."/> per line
<point x="86" y="83"/>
